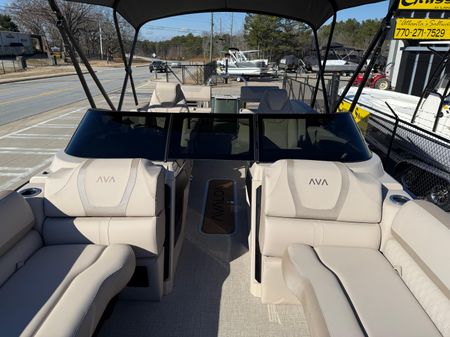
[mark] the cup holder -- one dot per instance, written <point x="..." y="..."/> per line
<point x="399" y="199"/>
<point x="30" y="192"/>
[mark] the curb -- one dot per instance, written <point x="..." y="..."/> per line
<point x="39" y="77"/>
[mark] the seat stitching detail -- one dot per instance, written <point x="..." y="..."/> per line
<point x="345" y="293"/>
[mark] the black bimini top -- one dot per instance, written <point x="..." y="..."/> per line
<point x="312" y="12"/>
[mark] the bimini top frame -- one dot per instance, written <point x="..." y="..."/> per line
<point x="138" y="12"/>
<point x="313" y="12"/>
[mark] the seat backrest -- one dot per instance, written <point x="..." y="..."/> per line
<point x="168" y="97"/>
<point x="283" y="133"/>
<point x="254" y="94"/>
<point x="420" y="251"/>
<point x="275" y="101"/>
<point x="106" y="187"/>
<point x="105" y="201"/>
<point x="18" y="240"/>
<point x="17" y="219"/>
<point x="318" y="203"/>
<point x="321" y="190"/>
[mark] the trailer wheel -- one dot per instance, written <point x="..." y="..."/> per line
<point x="440" y="196"/>
<point x="407" y="177"/>
<point x="382" y="84"/>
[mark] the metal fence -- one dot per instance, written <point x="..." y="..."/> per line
<point x="301" y="87"/>
<point x="198" y="74"/>
<point x="10" y="66"/>
<point x="16" y="64"/>
<point x="419" y="159"/>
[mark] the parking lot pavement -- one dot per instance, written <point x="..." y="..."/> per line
<point x="28" y="151"/>
<point x="27" y="146"/>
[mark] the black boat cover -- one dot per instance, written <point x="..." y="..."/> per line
<point x="313" y="12"/>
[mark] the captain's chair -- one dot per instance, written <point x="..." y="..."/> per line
<point x="168" y="97"/>
<point x="275" y="101"/>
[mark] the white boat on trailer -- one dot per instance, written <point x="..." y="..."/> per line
<point x="252" y="223"/>
<point x="236" y="63"/>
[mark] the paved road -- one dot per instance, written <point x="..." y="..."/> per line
<point x="23" y="99"/>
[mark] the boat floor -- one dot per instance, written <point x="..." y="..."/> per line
<point x="211" y="295"/>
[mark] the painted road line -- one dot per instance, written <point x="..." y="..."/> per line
<point x="57" y="126"/>
<point x="41" y="135"/>
<point x="6" y="168"/>
<point x="48" y="120"/>
<point x="32" y="153"/>
<point x="9" y="148"/>
<point x="35" y="137"/>
<point x="28" y="173"/>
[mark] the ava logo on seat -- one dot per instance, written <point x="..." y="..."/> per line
<point x="318" y="182"/>
<point x="105" y="179"/>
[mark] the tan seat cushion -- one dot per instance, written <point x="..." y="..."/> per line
<point x="318" y="203"/>
<point x="16" y="221"/>
<point x="326" y="307"/>
<point x="106" y="187"/>
<point x="321" y="190"/>
<point x="145" y="234"/>
<point x="63" y="290"/>
<point x="168" y="96"/>
<point x="420" y="251"/>
<point x="383" y="303"/>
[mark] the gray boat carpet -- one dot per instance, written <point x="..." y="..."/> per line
<point x="211" y="295"/>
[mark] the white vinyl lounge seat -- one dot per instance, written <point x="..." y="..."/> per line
<point x="402" y="291"/>
<point x="110" y="201"/>
<point x="313" y="202"/>
<point x="59" y="290"/>
<point x="168" y="97"/>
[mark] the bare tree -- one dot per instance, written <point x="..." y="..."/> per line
<point x="84" y="21"/>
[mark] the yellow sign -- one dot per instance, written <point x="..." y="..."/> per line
<point x="360" y="115"/>
<point x="422" y="29"/>
<point x="428" y="5"/>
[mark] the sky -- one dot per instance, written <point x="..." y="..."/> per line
<point x="199" y="23"/>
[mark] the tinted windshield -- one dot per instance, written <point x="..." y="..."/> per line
<point x="333" y="137"/>
<point x="104" y="134"/>
<point x="212" y="136"/>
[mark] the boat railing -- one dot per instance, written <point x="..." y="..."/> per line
<point x="302" y="86"/>
<point x="195" y="74"/>
<point x="418" y="158"/>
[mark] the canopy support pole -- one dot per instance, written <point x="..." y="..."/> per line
<point x="439" y="113"/>
<point x="73" y="57"/>
<point x="64" y="29"/>
<point x="377" y="43"/>
<point x="321" y="77"/>
<point x="128" y="71"/>
<point x="439" y="69"/>
<point x="130" y="62"/>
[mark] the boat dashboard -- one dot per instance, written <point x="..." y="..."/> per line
<point x="249" y="137"/>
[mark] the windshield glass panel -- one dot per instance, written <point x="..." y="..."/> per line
<point x="331" y="137"/>
<point x="206" y="136"/>
<point x="104" y="134"/>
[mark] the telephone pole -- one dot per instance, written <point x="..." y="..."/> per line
<point x="101" y="39"/>
<point x="231" y="30"/>
<point x="212" y="38"/>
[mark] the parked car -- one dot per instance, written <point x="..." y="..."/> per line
<point x="288" y="63"/>
<point x="158" y="66"/>
<point x="175" y="64"/>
